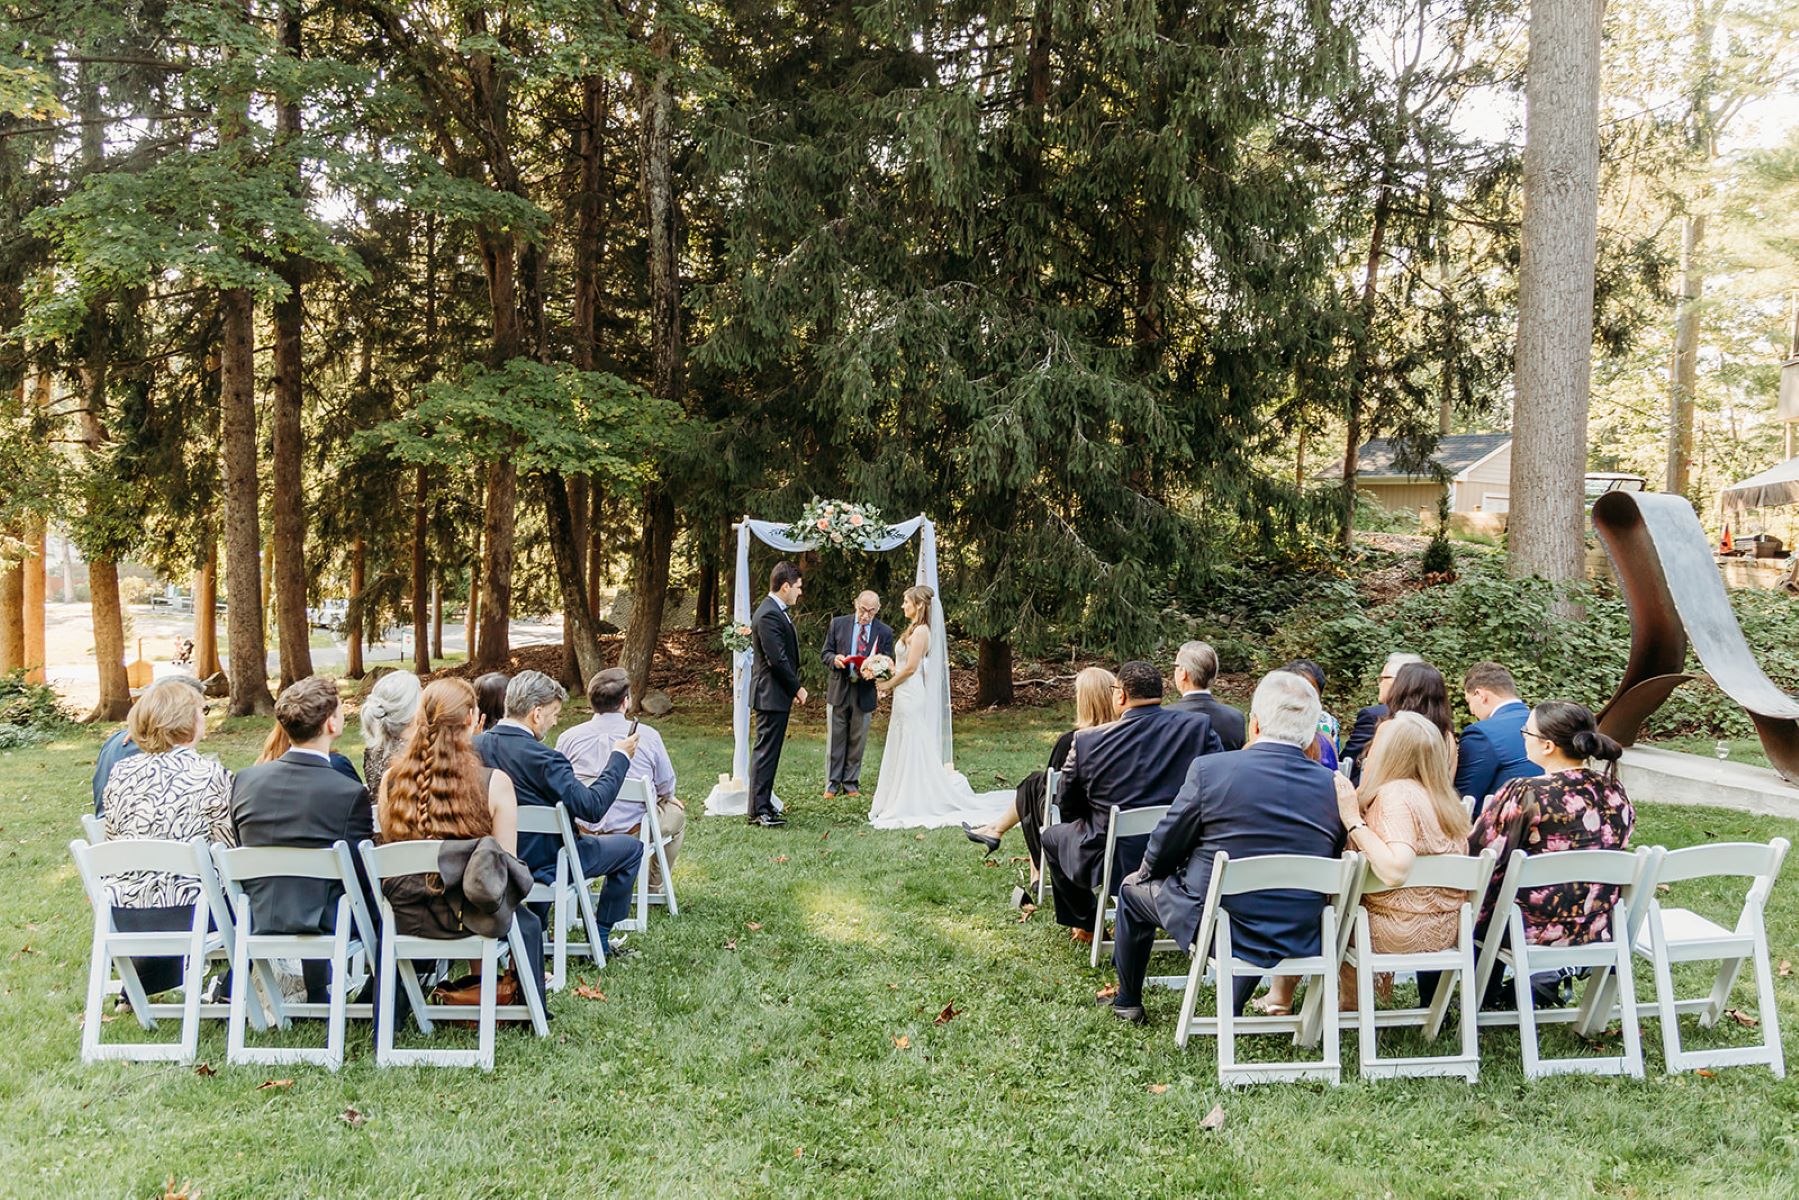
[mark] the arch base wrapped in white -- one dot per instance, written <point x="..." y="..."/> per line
<point x="731" y="796"/>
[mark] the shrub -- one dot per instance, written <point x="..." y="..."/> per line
<point x="29" y="712"/>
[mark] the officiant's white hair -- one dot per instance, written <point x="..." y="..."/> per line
<point x="1286" y="709"/>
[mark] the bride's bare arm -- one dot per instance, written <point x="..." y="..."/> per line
<point x="918" y="642"/>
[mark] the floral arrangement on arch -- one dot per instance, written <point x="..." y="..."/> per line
<point x="839" y="525"/>
<point x="736" y="636"/>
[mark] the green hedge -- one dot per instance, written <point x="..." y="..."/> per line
<point x="29" y="712"/>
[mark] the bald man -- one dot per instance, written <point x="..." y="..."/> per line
<point x="851" y="698"/>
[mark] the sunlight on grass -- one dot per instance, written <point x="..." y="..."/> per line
<point x="840" y="916"/>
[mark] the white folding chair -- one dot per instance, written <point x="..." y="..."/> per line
<point x="655" y="845"/>
<point x="420" y="858"/>
<point x="352" y="944"/>
<point x="1346" y="767"/>
<point x="1455" y="872"/>
<point x="113" y="950"/>
<point x="560" y="895"/>
<point x="93" y="828"/>
<point x="1052" y="815"/>
<point x="1332" y="878"/>
<point x="1526" y="872"/>
<point x="1679" y="935"/>
<point x="1131" y="822"/>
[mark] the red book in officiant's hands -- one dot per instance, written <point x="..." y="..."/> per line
<point x="853" y="662"/>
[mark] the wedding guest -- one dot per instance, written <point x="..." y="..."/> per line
<point x="1569" y="806"/>
<point x="1195" y="667"/>
<point x="1324" y="746"/>
<point x="1267" y="798"/>
<point x="1095" y="704"/>
<point x="299" y="800"/>
<point x="1492" y="748"/>
<point x="490" y="693"/>
<point x="588" y="746"/>
<point x="1137" y="761"/>
<point x="386" y="715"/>
<point x="165" y="791"/>
<point x="541" y="776"/>
<point x="1355" y="746"/>
<point x="278" y="743"/>
<point x="1419" y="688"/>
<point x="119" y="746"/>
<point x="437" y="787"/>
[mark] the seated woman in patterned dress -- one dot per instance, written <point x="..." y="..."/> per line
<point x="1570" y="806"/>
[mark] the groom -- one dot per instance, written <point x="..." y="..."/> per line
<point x="851" y="697"/>
<point x="774" y="687"/>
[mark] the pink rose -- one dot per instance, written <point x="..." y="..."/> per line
<point x="823" y="524"/>
<point x="830" y="511"/>
<point x="856" y="519"/>
<point x="744" y="630"/>
<point x="836" y="537"/>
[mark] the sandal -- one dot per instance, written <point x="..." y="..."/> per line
<point x="1264" y="1007"/>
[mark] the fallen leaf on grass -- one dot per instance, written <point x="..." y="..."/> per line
<point x="187" y="1190"/>
<point x="352" y="1118"/>
<point x="752" y="926"/>
<point x="799" y="1152"/>
<point x="1213" y="1119"/>
<point x="1705" y="1074"/>
<point x="205" y="1069"/>
<point x="950" y="1012"/>
<point x="1156" y="1089"/>
<point x="1742" y="1018"/>
<point x="1107" y="992"/>
<point x="730" y="943"/>
<point x="1024" y="914"/>
<point x="1018" y="858"/>
<point x="588" y="991"/>
<point x="902" y="1042"/>
<point x="1662" y="887"/>
<point x="893" y="987"/>
<point x="988" y="862"/>
<point x="268" y="1084"/>
<point x="1786" y="968"/>
<point x="919" y="838"/>
<point x="780" y="858"/>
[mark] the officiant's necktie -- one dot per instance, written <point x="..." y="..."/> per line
<point x="862" y="639"/>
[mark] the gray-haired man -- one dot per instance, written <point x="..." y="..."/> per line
<point x="851" y="698"/>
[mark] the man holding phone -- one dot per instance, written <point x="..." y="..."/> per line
<point x="588" y="744"/>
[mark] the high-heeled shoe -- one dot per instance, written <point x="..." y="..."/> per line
<point x="980" y="839"/>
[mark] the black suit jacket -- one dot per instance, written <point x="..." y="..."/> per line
<point x="1267" y="799"/>
<point x="775" y="677"/>
<point x="299" y="800"/>
<point x="1138" y="761"/>
<point x="1226" y="720"/>
<point x="841" y="639"/>
<point x="1361" y="736"/>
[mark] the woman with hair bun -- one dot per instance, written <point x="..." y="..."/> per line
<point x="1571" y="806"/>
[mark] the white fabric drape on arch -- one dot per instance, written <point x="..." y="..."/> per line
<point x="731" y="796"/>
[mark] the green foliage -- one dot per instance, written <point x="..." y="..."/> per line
<point x="30" y="713"/>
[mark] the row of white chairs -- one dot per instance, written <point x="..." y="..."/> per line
<point x="222" y="932"/>
<point x="1641" y="926"/>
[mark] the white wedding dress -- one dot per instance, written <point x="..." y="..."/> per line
<point x="915" y="788"/>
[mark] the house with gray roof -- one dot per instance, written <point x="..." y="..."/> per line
<point x="1478" y="467"/>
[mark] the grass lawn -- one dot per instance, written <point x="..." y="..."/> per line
<point x="805" y="1057"/>
<point x="1742" y="750"/>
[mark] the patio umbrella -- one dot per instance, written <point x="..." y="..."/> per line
<point x="1777" y="485"/>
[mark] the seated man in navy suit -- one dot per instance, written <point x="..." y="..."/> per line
<point x="1138" y="761"/>
<point x="1195" y="667"/>
<point x="1267" y="798"/>
<point x="1361" y="734"/>
<point x="1492" y="749"/>
<point x="543" y="776"/>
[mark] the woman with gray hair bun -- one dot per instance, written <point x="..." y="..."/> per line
<point x="386" y="715"/>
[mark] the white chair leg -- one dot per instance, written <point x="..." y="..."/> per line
<point x="196" y="979"/>
<point x="340" y="999"/>
<point x="99" y="967"/>
<point x="1764" y="999"/>
<point x="1225" y="992"/>
<point x="388" y="987"/>
<point x="1190" y="997"/>
<point x="1728" y="970"/>
<point x="132" y="988"/>
<point x="241" y="986"/>
<point x="1332" y="1014"/>
<point x="1627" y="1006"/>
<point x="668" y="874"/>
<point x="1673" y="1060"/>
<point x="489" y="989"/>
<point x="528" y="983"/>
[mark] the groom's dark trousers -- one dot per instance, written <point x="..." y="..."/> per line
<point x="774" y="681"/>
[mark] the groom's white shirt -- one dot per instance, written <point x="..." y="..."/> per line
<point x="782" y="605"/>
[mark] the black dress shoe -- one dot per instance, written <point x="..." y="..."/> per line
<point x="980" y="839"/>
<point x="1133" y="1015"/>
<point x="769" y="821"/>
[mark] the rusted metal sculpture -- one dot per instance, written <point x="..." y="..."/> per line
<point x="1676" y="596"/>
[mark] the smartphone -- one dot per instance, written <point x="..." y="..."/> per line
<point x="632" y="732"/>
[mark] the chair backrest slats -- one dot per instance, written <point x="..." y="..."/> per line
<point x="140" y="854"/>
<point x="1460" y="872"/>
<point x="276" y="862"/>
<point x="401" y="858"/>
<point x="535" y="818"/>
<point x="1290" y="872"/>
<point x="1135" y="822"/>
<point x="1617" y="867"/>
<point x="637" y="791"/>
<point x="1722" y="858"/>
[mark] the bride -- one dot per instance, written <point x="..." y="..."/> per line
<point x="915" y="788"/>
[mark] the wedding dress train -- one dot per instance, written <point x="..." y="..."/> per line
<point x="915" y="789"/>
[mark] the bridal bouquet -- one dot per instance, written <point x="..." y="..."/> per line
<point x="736" y="637"/>
<point x="877" y="667"/>
<point x="839" y="524"/>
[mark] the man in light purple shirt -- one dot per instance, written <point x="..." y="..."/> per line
<point x="587" y="745"/>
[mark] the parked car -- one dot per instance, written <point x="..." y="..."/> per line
<point x="328" y="615"/>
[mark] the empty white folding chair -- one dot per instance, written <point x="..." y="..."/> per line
<point x="113" y="950"/>
<point x="1131" y="822"/>
<point x="1052" y="815"/>
<point x="420" y="858"/>
<point x="655" y="847"/>
<point x="349" y="949"/>
<point x="1332" y="878"/>
<point x="1457" y="966"/>
<point x="1623" y="869"/>
<point x="1678" y="935"/>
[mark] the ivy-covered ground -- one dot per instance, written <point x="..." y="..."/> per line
<point x="785" y="1036"/>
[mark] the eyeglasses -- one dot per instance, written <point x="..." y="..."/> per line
<point x="1532" y="733"/>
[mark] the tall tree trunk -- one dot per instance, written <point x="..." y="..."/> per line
<point x="471" y="617"/>
<point x="243" y="531"/>
<point x="102" y="572"/>
<point x="12" y="618"/>
<point x="705" y="600"/>
<point x="596" y="558"/>
<point x="649" y="584"/>
<point x="573" y="674"/>
<point x="579" y="633"/>
<point x="288" y="514"/>
<point x="33" y="659"/>
<point x="1683" y="368"/>
<point x="437" y="612"/>
<point x="993" y="677"/>
<point x="421" y="599"/>
<point x="1358" y="383"/>
<point x="1559" y="238"/>
<point x="206" y="612"/>
<point x="354" y="622"/>
<point x="496" y="567"/>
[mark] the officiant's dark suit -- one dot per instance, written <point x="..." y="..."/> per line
<point x="1138" y="761"/>
<point x="774" y="682"/>
<point x="851" y="697"/>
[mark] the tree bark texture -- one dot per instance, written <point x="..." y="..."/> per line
<point x="248" y="654"/>
<point x="288" y="514"/>
<point x="421" y="578"/>
<point x="579" y="634"/>
<point x="353" y="624"/>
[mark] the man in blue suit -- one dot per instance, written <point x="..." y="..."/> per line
<point x="541" y="775"/>
<point x="1492" y="749"/>
<point x="1138" y="761"/>
<point x="1267" y="798"/>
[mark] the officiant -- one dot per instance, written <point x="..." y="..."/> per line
<point x="850" y="698"/>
